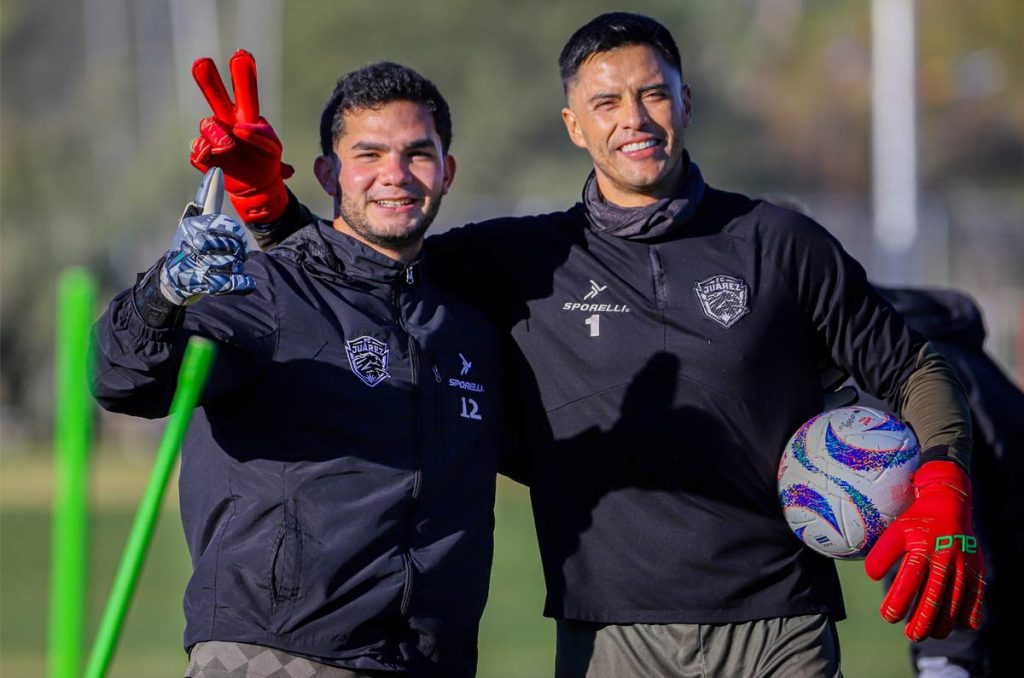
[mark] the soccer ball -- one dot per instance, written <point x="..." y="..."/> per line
<point x="844" y="476"/>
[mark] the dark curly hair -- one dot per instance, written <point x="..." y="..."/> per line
<point x="610" y="31"/>
<point x="374" y="86"/>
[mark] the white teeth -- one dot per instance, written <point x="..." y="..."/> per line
<point x="393" y="203"/>
<point x="639" y="145"/>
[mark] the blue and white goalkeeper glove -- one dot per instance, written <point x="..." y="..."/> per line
<point x="206" y="257"/>
<point x="208" y="251"/>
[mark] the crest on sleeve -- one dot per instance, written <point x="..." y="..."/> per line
<point x="369" y="359"/>
<point x="723" y="299"/>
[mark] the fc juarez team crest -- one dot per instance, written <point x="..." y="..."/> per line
<point x="723" y="298"/>
<point x="369" y="359"/>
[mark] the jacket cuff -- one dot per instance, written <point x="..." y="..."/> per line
<point x="270" y="234"/>
<point x="156" y="310"/>
<point x="941" y="453"/>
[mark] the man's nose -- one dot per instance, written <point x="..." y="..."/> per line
<point x="634" y="114"/>
<point x="395" y="170"/>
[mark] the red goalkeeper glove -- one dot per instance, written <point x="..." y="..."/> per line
<point x="942" y="566"/>
<point x="240" y="141"/>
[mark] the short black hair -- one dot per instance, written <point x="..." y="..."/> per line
<point x="611" y="31"/>
<point x="374" y="86"/>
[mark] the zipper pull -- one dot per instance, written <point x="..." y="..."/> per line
<point x="408" y="275"/>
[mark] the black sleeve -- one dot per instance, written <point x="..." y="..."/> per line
<point x="861" y="331"/>
<point x="295" y="216"/>
<point x="464" y="262"/>
<point x="499" y="265"/>
<point x="135" y="365"/>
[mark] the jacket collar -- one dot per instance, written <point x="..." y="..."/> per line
<point x="331" y="252"/>
<point x="651" y="221"/>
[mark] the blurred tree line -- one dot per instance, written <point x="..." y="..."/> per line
<point x="96" y="116"/>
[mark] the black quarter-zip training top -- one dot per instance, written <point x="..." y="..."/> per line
<point x="659" y="379"/>
<point x="337" y="483"/>
<point x="662" y="358"/>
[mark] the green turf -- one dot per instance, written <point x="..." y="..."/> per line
<point x="515" y="641"/>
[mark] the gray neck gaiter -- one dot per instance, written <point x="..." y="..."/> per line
<point x="651" y="221"/>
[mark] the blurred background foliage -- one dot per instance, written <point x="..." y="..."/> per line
<point x="98" y="109"/>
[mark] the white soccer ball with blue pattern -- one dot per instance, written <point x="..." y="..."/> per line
<point x="844" y="477"/>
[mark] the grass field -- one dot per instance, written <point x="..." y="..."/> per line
<point x="515" y="640"/>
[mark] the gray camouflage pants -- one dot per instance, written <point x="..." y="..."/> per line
<point x="220" y="659"/>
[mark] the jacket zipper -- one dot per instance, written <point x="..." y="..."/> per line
<point x="417" y="473"/>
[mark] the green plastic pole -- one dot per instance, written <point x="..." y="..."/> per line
<point x="194" y="369"/>
<point x="76" y="293"/>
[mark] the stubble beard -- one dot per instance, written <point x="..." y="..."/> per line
<point x="355" y="216"/>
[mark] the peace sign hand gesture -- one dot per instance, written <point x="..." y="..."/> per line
<point x="240" y="141"/>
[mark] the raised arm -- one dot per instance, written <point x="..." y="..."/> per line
<point x="237" y="139"/>
<point x="140" y="340"/>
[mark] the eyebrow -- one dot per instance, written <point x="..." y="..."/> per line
<point x="655" y="86"/>
<point x="411" y="146"/>
<point x="643" y="90"/>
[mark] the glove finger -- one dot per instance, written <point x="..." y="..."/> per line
<point x="923" y="618"/>
<point x="206" y="75"/>
<point x="221" y="262"/>
<point x="226" y="245"/>
<point x="243" y="81"/>
<point x="886" y="551"/>
<point x="954" y="602"/>
<point x="199" y="154"/>
<point x="286" y="170"/>
<point x="231" y="284"/>
<point x="195" y="230"/>
<point x="949" y="606"/>
<point x="261" y="135"/>
<point x="904" y="587"/>
<point x="970" y="611"/>
<point x="222" y="225"/>
<point x="221" y="137"/>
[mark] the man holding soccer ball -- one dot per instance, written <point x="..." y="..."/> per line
<point x="665" y="334"/>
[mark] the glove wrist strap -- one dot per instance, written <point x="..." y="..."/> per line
<point x="156" y="310"/>
<point x="261" y="204"/>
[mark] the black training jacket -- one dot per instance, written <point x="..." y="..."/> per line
<point x="337" y="483"/>
<point x="660" y="381"/>
<point x="656" y="385"/>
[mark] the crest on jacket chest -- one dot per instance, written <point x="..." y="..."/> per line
<point x="368" y="358"/>
<point x="723" y="298"/>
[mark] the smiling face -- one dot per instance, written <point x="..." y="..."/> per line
<point x="387" y="175"/>
<point x="629" y="108"/>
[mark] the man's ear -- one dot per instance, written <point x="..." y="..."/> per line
<point x="449" y="173"/>
<point x="572" y="126"/>
<point x="325" y="168"/>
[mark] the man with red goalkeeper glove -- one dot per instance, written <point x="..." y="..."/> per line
<point x="706" y="534"/>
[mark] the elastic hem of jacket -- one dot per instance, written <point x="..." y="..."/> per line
<point x="156" y="310"/>
<point x="940" y="453"/>
<point x="625" y="617"/>
<point x="354" y="660"/>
